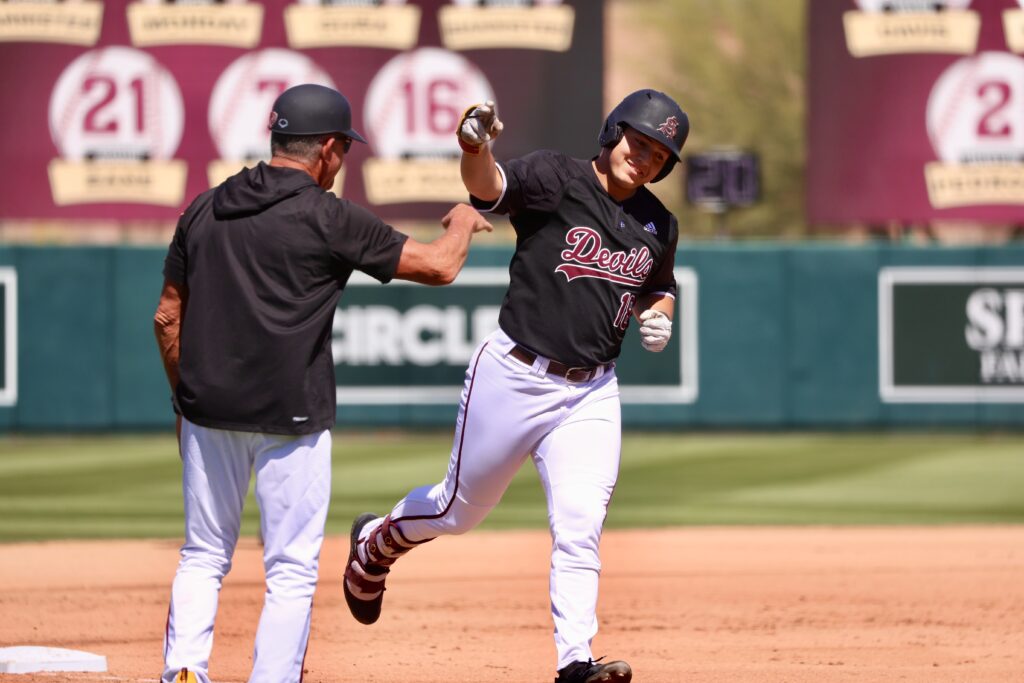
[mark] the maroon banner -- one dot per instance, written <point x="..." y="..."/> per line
<point x="127" y="110"/>
<point x="915" y="111"/>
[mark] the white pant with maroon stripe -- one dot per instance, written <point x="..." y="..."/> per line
<point x="293" y="482"/>
<point x="510" y="411"/>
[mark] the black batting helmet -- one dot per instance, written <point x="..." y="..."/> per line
<point x="311" y="109"/>
<point x="654" y="114"/>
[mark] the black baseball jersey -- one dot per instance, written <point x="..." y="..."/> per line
<point x="265" y="256"/>
<point x="581" y="257"/>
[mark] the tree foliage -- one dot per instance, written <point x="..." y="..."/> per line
<point x="738" y="69"/>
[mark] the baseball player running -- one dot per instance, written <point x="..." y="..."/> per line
<point x="593" y="248"/>
<point x="251" y="285"/>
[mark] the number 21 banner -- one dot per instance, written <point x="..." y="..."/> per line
<point x="127" y="110"/>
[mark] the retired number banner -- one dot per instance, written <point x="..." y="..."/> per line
<point x="916" y="111"/>
<point x="127" y="110"/>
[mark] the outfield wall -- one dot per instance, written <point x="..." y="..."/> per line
<point x="767" y="336"/>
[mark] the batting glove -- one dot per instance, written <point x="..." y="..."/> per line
<point x="655" y="330"/>
<point x="478" y="126"/>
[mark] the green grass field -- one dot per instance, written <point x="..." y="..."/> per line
<point x="129" y="486"/>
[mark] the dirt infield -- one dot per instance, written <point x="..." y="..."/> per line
<point x="700" y="605"/>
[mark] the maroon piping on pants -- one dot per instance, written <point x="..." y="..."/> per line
<point x="458" y="457"/>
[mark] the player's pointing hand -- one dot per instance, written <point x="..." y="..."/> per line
<point x="479" y="125"/>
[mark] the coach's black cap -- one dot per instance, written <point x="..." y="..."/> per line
<point x="311" y="109"/>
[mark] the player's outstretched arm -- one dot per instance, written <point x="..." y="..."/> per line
<point x="438" y="262"/>
<point x="477" y="128"/>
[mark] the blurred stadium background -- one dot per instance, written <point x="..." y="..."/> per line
<point x="850" y="341"/>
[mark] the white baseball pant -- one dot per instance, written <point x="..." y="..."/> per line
<point x="509" y="411"/>
<point x="293" y="486"/>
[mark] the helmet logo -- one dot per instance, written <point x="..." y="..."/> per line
<point x="278" y="122"/>
<point x="670" y="127"/>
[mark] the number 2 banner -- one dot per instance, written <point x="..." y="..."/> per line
<point x="127" y="110"/>
<point x="915" y="111"/>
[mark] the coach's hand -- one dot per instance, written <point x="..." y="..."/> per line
<point x="466" y="215"/>
<point x="479" y="125"/>
<point x="655" y="330"/>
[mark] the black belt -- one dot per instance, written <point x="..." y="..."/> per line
<point x="570" y="374"/>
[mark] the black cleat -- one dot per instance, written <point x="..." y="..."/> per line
<point x="366" y="593"/>
<point x="595" y="672"/>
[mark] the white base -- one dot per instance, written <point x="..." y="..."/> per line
<point x="26" y="659"/>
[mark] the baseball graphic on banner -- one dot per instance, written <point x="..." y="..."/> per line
<point x="116" y="103"/>
<point x="414" y="102"/>
<point x="116" y="116"/>
<point x="243" y="94"/>
<point x="413" y="106"/>
<point x="240" y="107"/>
<point x="975" y="120"/>
<point x="975" y="112"/>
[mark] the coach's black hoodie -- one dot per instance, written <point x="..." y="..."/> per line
<point x="264" y="257"/>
